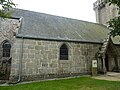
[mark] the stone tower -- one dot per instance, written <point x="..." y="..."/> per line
<point x="104" y="12"/>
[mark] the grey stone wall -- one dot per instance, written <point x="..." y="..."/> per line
<point x="41" y="59"/>
<point x="105" y="12"/>
<point x="8" y="29"/>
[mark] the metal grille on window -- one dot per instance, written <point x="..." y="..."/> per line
<point x="64" y="52"/>
<point x="6" y="49"/>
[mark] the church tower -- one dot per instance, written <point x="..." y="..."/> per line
<point x="104" y="12"/>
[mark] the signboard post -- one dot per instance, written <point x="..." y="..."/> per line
<point x="94" y="67"/>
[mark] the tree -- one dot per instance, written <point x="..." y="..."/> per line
<point x="114" y="24"/>
<point x="6" y="5"/>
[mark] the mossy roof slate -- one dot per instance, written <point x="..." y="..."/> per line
<point x="45" y="26"/>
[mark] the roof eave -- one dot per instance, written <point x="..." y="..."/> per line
<point x="63" y="40"/>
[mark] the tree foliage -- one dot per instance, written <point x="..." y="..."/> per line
<point x="114" y="24"/>
<point x="6" y="5"/>
<point x="117" y="2"/>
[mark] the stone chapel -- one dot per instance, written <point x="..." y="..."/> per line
<point x="37" y="46"/>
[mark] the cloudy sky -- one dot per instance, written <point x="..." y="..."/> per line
<point x="77" y="9"/>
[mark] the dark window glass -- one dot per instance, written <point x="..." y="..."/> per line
<point x="64" y="52"/>
<point x="6" y="49"/>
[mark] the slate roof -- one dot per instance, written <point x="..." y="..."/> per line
<point x="44" y="26"/>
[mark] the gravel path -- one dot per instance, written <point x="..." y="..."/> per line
<point x="111" y="76"/>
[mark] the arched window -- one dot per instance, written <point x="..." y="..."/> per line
<point x="6" y="49"/>
<point x="64" y="52"/>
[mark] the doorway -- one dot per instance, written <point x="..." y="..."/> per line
<point x="106" y="62"/>
<point x="5" y="60"/>
<point x="5" y="66"/>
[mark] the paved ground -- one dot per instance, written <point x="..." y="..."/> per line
<point x="111" y="76"/>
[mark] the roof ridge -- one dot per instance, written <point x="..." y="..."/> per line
<point x="57" y="16"/>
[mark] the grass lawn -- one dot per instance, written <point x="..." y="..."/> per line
<point x="81" y="83"/>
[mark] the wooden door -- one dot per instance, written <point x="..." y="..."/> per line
<point x="5" y="66"/>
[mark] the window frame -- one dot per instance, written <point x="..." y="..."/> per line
<point x="64" y="52"/>
<point x="6" y="49"/>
